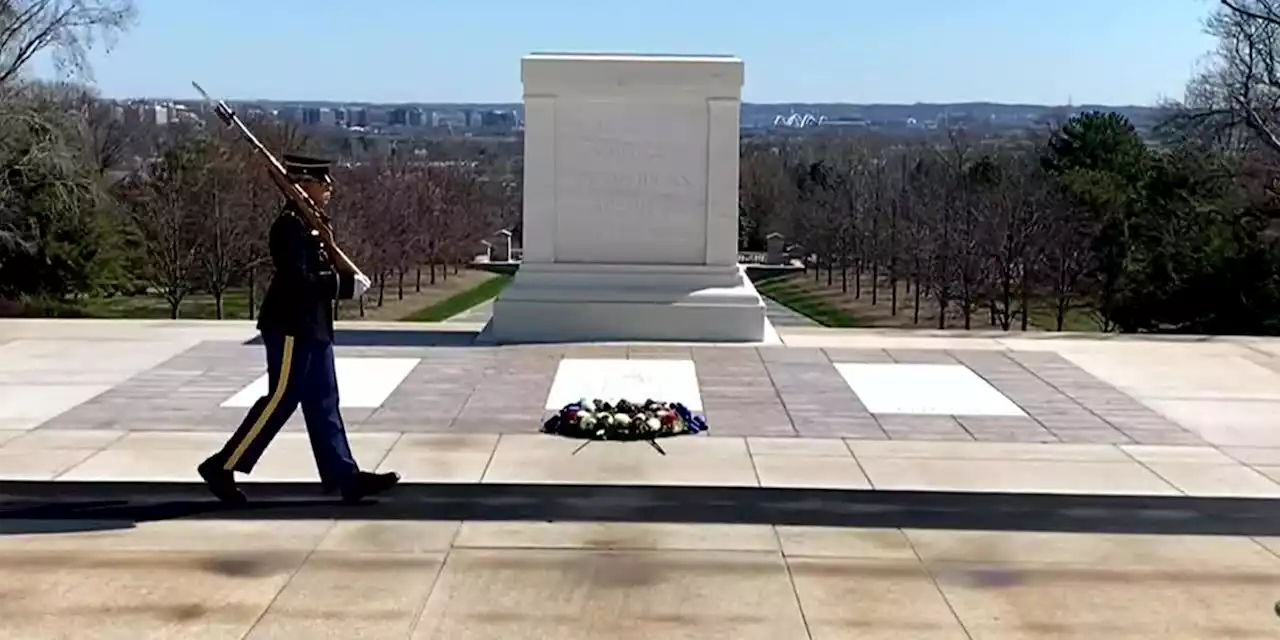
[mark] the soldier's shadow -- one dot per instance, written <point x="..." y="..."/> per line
<point x="54" y="527"/>
<point x="90" y="516"/>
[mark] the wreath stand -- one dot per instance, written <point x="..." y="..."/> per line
<point x="652" y="443"/>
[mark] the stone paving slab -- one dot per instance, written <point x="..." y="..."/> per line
<point x="494" y="580"/>
<point x="726" y="461"/>
<point x="762" y="391"/>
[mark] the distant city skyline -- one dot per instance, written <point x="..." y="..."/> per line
<point x="516" y="104"/>
<point x="1138" y="52"/>
<point x="506" y="118"/>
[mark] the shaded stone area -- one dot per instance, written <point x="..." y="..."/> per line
<point x="765" y="391"/>
<point x="483" y="580"/>
<point x="114" y="501"/>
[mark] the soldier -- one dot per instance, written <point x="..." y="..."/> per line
<point x="296" y="324"/>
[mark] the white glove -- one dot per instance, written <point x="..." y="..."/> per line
<point x="362" y="285"/>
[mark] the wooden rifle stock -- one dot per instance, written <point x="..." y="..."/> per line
<point x="311" y="213"/>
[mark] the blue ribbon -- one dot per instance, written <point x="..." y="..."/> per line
<point x="694" y="422"/>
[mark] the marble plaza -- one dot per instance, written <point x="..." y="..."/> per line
<point x="1068" y="422"/>
<point x="890" y="393"/>
<point x="869" y="409"/>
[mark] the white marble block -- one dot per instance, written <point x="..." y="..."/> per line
<point x="630" y="203"/>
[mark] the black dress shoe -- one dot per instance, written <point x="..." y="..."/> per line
<point x="366" y="484"/>
<point x="221" y="483"/>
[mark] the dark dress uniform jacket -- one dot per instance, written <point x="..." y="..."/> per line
<point x="299" y="301"/>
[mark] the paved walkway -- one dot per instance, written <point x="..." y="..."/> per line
<point x="782" y="316"/>
<point x="857" y="484"/>
<point x="479" y="313"/>
<point x="447" y="580"/>
<point x="531" y="459"/>
<point x="833" y="408"/>
<point x="947" y="393"/>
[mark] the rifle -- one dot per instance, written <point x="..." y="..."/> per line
<point x="311" y="212"/>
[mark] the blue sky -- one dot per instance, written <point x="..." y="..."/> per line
<point x="1040" y="51"/>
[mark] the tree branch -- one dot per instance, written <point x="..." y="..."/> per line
<point x="1270" y="17"/>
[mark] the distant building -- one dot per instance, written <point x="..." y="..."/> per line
<point x="406" y="117"/>
<point x="498" y="119"/>
<point x="289" y="114"/>
<point x="180" y="113"/>
<point x="153" y="114"/>
<point x="253" y="110"/>
<point x="378" y="116"/>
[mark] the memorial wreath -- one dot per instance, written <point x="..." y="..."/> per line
<point x="595" y="419"/>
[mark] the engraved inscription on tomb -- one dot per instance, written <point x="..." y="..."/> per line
<point x="606" y="169"/>
<point x="637" y="176"/>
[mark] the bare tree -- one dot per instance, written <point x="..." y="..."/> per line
<point x="168" y="223"/>
<point x="66" y="29"/>
<point x="356" y="214"/>
<point x="401" y="220"/>
<point x="1239" y="90"/>
<point x="1011" y="234"/>
<point x="230" y="230"/>
<point x="107" y="137"/>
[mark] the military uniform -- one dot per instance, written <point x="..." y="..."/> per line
<point x="296" y="323"/>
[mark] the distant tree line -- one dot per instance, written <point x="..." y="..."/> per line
<point x="1176" y="236"/>
<point x="92" y="204"/>
<point x="1179" y="239"/>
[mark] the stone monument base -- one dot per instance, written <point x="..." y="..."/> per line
<point x="559" y="302"/>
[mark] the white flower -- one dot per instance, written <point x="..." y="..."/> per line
<point x="587" y="405"/>
<point x="621" y="418"/>
<point x="587" y="420"/>
<point x="653" y="424"/>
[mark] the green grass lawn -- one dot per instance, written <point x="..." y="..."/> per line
<point x="460" y="302"/>
<point x="235" y="305"/>
<point x="784" y="293"/>
<point x="1045" y="316"/>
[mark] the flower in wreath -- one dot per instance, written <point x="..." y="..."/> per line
<point x="597" y="419"/>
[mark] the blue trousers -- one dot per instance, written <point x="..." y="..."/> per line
<point x="299" y="372"/>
